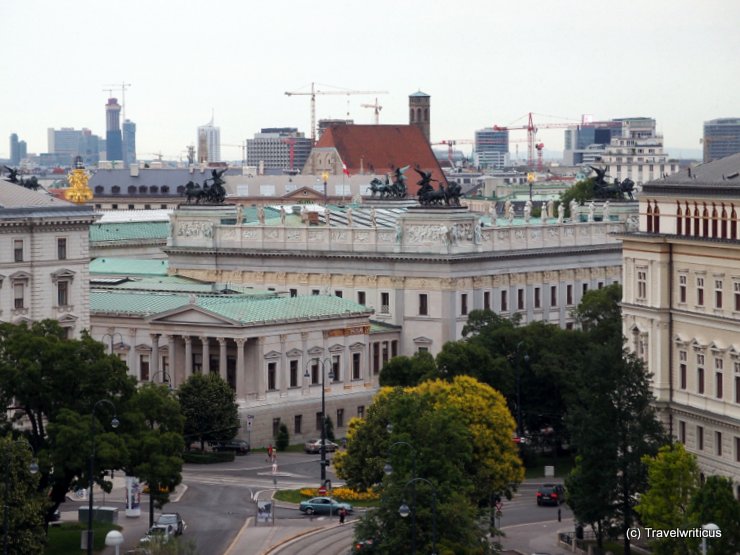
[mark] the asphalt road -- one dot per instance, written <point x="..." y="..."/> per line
<point x="334" y="541"/>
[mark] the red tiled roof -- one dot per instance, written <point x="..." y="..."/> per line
<point x="383" y="148"/>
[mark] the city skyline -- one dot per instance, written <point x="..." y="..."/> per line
<point x="485" y="64"/>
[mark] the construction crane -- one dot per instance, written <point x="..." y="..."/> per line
<point x="450" y="147"/>
<point x="377" y="108"/>
<point x="313" y="94"/>
<point x="123" y="87"/>
<point x="243" y="148"/>
<point x="532" y="145"/>
<point x="290" y="141"/>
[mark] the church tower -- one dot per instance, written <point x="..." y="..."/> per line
<point x="419" y="105"/>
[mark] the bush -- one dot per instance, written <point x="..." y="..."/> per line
<point x="207" y="457"/>
<point x="283" y="438"/>
<point x="330" y="429"/>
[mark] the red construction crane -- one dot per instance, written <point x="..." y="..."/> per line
<point x="532" y="144"/>
<point x="291" y="144"/>
<point x="450" y="147"/>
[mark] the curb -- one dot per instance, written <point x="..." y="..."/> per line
<point x="295" y="537"/>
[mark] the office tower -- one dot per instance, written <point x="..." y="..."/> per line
<point x="209" y="143"/>
<point x="113" y="140"/>
<point x="419" y="111"/>
<point x="129" y="142"/>
<point x="15" y="149"/>
<point x="491" y="148"/>
<point x="586" y="143"/>
<point x="279" y="148"/>
<point x="721" y="138"/>
<point x="23" y="148"/>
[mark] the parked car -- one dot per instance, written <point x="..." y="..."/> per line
<point x="550" y="494"/>
<point x="159" y="533"/>
<point x="323" y="505"/>
<point x="314" y="446"/>
<point x="174" y="520"/>
<point x="239" y="446"/>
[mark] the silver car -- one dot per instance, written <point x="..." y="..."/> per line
<point x="314" y="446"/>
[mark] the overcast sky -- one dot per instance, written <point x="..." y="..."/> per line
<point x="483" y="62"/>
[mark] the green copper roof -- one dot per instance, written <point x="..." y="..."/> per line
<point x="381" y="327"/>
<point x="244" y="310"/>
<point x="129" y="267"/>
<point x="126" y="231"/>
<point x="179" y="284"/>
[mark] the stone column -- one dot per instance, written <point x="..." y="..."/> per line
<point x="241" y="392"/>
<point x="222" y="359"/>
<point x="259" y="368"/>
<point x="171" y="356"/>
<point x="131" y="361"/>
<point x="154" y="363"/>
<point x="206" y="355"/>
<point x="282" y="375"/>
<point x="188" y="356"/>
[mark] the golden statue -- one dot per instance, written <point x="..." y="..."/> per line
<point x="78" y="191"/>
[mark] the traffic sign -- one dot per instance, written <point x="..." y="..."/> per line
<point x="322" y="490"/>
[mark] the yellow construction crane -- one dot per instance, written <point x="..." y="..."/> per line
<point x="376" y="108"/>
<point x="313" y="92"/>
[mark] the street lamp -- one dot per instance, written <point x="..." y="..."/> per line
<point x="519" y="430"/>
<point x="388" y="469"/>
<point x="33" y="468"/>
<point x="710" y="527"/>
<point x="165" y="377"/>
<point x="319" y="362"/>
<point x="404" y="511"/>
<point x="114" y="423"/>
<point x="112" y="338"/>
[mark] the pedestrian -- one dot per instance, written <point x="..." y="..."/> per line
<point x="342" y="515"/>
<point x="274" y="466"/>
<point x="269" y="453"/>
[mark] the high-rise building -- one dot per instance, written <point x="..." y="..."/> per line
<point x="420" y="112"/>
<point x="15" y="149"/>
<point x="491" y="148"/>
<point x="129" y="142"/>
<point x="585" y="143"/>
<point x="721" y="138"/>
<point x="209" y="143"/>
<point x="67" y="143"/>
<point x="23" y="148"/>
<point x="113" y="140"/>
<point x="278" y="148"/>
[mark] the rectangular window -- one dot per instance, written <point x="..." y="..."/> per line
<point x="737" y="449"/>
<point x="718" y="382"/>
<point x="394" y="348"/>
<point x="553" y="295"/>
<point x="361" y="411"/>
<point x="294" y="292"/>
<point x="537" y="297"/>
<point x="642" y="284"/>
<point x="315" y="373"/>
<point x="700" y="380"/>
<point x="18" y="250"/>
<point x="464" y="304"/>
<point x="683" y="376"/>
<point x="682" y="280"/>
<point x="18" y="293"/>
<point x="700" y="291"/>
<point x="520" y="299"/>
<point x="293" y="373"/>
<point x="385" y="303"/>
<point x="340" y="418"/>
<point x="504" y="301"/>
<point x="682" y="431"/>
<point x="318" y="421"/>
<point x="385" y="352"/>
<point x="275" y="427"/>
<point x="338" y="294"/>
<point x="423" y="304"/>
<point x="376" y="358"/>
<point x="61" y="248"/>
<point x="62" y="293"/>
<point x="717" y="294"/>
<point x="315" y="292"/>
<point x="600" y="285"/>
<point x="144" y="368"/>
<point x="271" y="376"/>
<point x="361" y="298"/>
<point x="569" y="295"/>
<point x="486" y="300"/>
<point x="700" y="438"/>
<point x="584" y="288"/>
<point x="737" y="389"/>
<point x="718" y="443"/>
<point x="356" y="366"/>
<point x="298" y="424"/>
<point x="736" y="287"/>
<point x="336" y="367"/>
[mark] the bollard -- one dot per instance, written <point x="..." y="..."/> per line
<point x="559" y="519"/>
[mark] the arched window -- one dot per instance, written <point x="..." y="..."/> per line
<point x="142" y="189"/>
<point x="165" y="188"/>
<point x="418" y="115"/>
<point x="115" y="189"/>
<point x="705" y="221"/>
<point x="131" y="189"/>
<point x="715" y="221"/>
<point x="687" y="218"/>
<point x="153" y="189"/>
<point x="656" y="218"/>
<point x="180" y="189"/>
<point x="649" y="217"/>
<point x="99" y="189"/>
<point x="723" y="224"/>
<point x="733" y="223"/>
<point x="426" y="114"/>
<point x="697" y="221"/>
<point x="411" y="115"/>
<point x="679" y="220"/>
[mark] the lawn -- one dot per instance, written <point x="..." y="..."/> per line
<point x="65" y="538"/>
<point x="294" y="496"/>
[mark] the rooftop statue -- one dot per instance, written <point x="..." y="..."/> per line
<point x="615" y="190"/>
<point x="208" y="194"/>
<point x="30" y="183"/>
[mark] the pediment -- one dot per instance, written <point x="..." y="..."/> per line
<point x="358" y="346"/>
<point x="193" y="315"/>
<point x="272" y="354"/>
<point x="316" y="351"/>
<point x="67" y="319"/>
<point x="421" y="340"/>
<point x="294" y="353"/>
<point x="304" y="193"/>
<point x="716" y="346"/>
<point x="21" y="275"/>
<point x="22" y="320"/>
<point x="62" y="273"/>
<point x="336" y="348"/>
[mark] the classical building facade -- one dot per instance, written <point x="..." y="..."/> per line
<point x="681" y="307"/>
<point x="44" y="256"/>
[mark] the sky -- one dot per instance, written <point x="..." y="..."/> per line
<point x="483" y="62"/>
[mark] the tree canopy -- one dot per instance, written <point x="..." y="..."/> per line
<point x="208" y="404"/>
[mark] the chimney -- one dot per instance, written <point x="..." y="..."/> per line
<point x="134" y="170"/>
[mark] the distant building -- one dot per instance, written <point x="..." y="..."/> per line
<point x="586" y="143"/>
<point x="721" y="138"/>
<point x="15" y="149"/>
<point x="637" y="153"/>
<point x="491" y="148"/>
<point x="278" y="148"/>
<point x="66" y="143"/>
<point x="209" y="143"/>
<point x="420" y="112"/>
<point x="129" y="142"/>
<point x="113" y="140"/>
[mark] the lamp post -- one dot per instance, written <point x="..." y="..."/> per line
<point x="165" y="378"/>
<point x="519" y="430"/>
<point x="33" y="467"/>
<point x="320" y="363"/>
<point x="404" y="511"/>
<point x="710" y="527"/>
<point x="114" y="424"/>
<point x="112" y="337"/>
<point x="388" y="469"/>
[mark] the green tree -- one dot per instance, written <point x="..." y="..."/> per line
<point x="715" y="502"/>
<point x="673" y="479"/>
<point x="581" y="192"/>
<point x="209" y="406"/>
<point x="25" y="505"/>
<point x="283" y="438"/>
<point x="329" y="424"/>
<point x="408" y="371"/>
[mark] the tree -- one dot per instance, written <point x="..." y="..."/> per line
<point x="329" y="426"/>
<point x="580" y="192"/>
<point x="25" y="504"/>
<point x="283" y="438"/>
<point x="673" y="479"/>
<point x="408" y="371"/>
<point x="715" y="502"/>
<point x="209" y="406"/>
